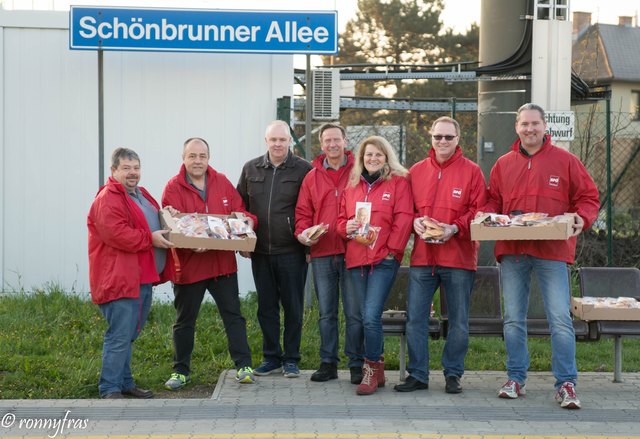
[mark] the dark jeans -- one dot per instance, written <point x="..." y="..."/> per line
<point x="188" y="298"/>
<point x="423" y="283"/>
<point x="371" y="285"/>
<point x="279" y="280"/>
<point x="331" y="279"/>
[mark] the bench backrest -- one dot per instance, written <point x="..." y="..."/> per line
<point x="485" y="296"/>
<point x="610" y="281"/>
<point x="397" y="299"/>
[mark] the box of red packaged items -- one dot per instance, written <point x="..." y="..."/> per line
<point x="494" y="227"/>
<point x="213" y="232"/>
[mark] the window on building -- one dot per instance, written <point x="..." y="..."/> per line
<point x="635" y="105"/>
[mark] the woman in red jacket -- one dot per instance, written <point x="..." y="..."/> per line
<point x="374" y="251"/>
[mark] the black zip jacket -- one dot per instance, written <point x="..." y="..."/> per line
<point x="271" y="194"/>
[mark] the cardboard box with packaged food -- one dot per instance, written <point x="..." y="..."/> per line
<point x="605" y="308"/>
<point x="493" y="227"/>
<point x="213" y="232"/>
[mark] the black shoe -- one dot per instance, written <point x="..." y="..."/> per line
<point x="410" y="385"/>
<point x="356" y="374"/>
<point x="137" y="392"/>
<point x="327" y="371"/>
<point x="112" y="395"/>
<point x="452" y="384"/>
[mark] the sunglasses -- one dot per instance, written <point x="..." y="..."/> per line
<point x="440" y="137"/>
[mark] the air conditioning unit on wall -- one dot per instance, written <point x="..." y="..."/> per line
<point x="326" y="94"/>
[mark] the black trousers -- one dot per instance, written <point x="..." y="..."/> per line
<point x="279" y="281"/>
<point x="188" y="299"/>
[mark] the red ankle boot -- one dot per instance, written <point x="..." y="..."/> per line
<point x="370" y="378"/>
<point x="381" y="378"/>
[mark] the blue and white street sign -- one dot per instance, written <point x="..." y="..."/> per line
<point x="191" y="30"/>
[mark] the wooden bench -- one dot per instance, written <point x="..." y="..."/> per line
<point x="612" y="282"/>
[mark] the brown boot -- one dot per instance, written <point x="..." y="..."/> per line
<point x="381" y="377"/>
<point x="369" y="382"/>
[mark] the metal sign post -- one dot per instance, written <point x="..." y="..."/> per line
<point x="197" y="30"/>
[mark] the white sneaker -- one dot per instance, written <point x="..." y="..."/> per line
<point x="566" y="396"/>
<point x="511" y="390"/>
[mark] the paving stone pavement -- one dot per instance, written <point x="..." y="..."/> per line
<point x="278" y="407"/>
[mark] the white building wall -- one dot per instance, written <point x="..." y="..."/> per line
<point x="153" y="102"/>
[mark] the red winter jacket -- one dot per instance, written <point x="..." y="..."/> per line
<point x="451" y="193"/>
<point x="121" y="256"/>
<point x="552" y="181"/>
<point x="222" y="199"/>
<point x="391" y="210"/>
<point x="319" y="202"/>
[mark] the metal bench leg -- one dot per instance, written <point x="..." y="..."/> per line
<point x="617" y="360"/>
<point x="403" y="356"/>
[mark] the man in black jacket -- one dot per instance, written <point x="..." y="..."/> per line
<point x="269" y="186"/>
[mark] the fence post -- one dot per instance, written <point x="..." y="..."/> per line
<point x="609" y="208"/>
<point x="283" y="109"/>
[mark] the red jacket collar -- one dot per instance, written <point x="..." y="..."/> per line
<point x="211" y="175"/>
<point x="456" y="155"/>
<point x="318" y="162"/>
<point x="546" y="143"/>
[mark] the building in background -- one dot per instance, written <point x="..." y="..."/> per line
<point x="608" y="55"/>
<point x="152" y="103"/>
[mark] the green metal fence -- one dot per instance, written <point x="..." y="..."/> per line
<point x="607" y="142"/>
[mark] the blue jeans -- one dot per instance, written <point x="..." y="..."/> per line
<point x="279" y="280"/>
<point x="371" y="286"/>
<point x="515" y="275"/>
<point x="423" y="283"/>
<point x="126" y="318"/>
<point x="330" y="278"/>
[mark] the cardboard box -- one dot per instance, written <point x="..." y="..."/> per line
<point x="182" y="241"/>
<point x="561" y="229"/>
<point x="588" y="311"/>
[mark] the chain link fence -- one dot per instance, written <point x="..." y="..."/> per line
<point x="614" y="239"/>
<point x="408" y="131"/>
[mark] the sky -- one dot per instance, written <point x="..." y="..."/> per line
<point x="458" y="14"/>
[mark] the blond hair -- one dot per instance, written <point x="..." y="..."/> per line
<point x="391" y="167"/>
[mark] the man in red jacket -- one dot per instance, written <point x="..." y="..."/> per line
<point x="447" y="191"/>
<point x="537" y="176"/>
<point x="319" y="203"/>
<point x="198" y="188"/>
<point x="126" y="253"/>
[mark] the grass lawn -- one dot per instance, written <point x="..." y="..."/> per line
<point x="51" y="347"/>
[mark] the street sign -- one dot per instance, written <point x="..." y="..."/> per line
<point x="561" y="124"/>
<point x="192" y="30"/>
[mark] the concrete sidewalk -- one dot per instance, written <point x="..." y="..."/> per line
<point x="278" y="407"/>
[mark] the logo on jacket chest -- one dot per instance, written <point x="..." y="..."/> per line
<point x="456" y="192"/>
<point x="225" y="202"/>
<point x="554" y="181"/>
<point x="386" y="196"/>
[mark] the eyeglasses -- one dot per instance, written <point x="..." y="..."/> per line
<point x="440" y="136"/>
